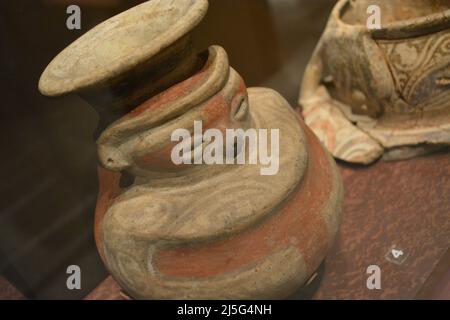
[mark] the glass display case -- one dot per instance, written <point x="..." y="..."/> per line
<point x="393" y="234"/>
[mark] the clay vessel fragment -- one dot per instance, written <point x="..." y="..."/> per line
<point x="369" y="92"/>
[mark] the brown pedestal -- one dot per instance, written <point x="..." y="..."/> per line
<point x="390" y="205"/>
<point x="402" y="205"/>
<point x="8" y="291"/>
<point x="107" y="290"/>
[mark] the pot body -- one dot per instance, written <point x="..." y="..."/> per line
<point x="225" y="232"/>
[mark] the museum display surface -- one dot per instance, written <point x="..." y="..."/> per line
<point x="159" y="150"/>
<point x="383" y="90"/>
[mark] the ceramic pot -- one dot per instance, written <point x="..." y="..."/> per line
<point x="372" y="91"/>
<point x="195" y="231"/>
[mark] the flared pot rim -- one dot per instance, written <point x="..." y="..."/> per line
<point x="69" y="72"/>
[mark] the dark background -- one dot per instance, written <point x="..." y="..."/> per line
<point x="48" y="159"/>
